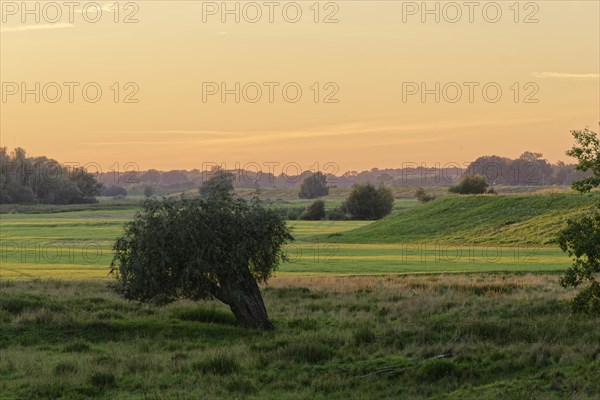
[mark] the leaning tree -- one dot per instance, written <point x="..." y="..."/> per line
<point x="218" y="247"/>
<point x="580" y="239"/>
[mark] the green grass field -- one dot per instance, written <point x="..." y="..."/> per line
<point x="456" y="336"/>
<point x="514" y="219"/>
<point x="434" y="237"/>
<point x="364" y="310"/>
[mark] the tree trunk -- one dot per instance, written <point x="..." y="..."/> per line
<point x="246" y="303"/>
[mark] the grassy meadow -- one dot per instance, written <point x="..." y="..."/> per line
<point x="454" y="299"/>
<point x="440" y="336"/>
<point x="512" y="233"/>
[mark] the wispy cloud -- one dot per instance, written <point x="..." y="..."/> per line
<point x="35" y="27"/>
<point x="565" y="75"/>
<point x="351" y="132"/>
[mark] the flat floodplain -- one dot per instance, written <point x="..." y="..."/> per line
<point x="78" y="245"/>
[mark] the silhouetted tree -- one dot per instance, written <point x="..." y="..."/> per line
<point x="42" y="180"/>
<point x="314" y="186"/>
<point x="366" y="202"/>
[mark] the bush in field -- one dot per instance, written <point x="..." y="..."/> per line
<point x="314" y="186"/>
<point x="581" y="237"/>
<point x="219" y="246"/>
<point x="422" y="195"/>
<point x="315" y="211"/>
<point x="366" y="202"/>
<point x="470" y="184"/>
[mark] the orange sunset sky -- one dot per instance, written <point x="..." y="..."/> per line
<point x="369" y="57"/>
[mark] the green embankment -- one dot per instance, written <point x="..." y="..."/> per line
<point x="529" y="219"/>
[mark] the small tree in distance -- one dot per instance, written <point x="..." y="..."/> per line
<point x="315" y="211"/>
<point x="422" y="195"/>
<point x="219" y="246"/>
<point x="366" y="202"/>
<point x="470" y="184"/>
<point x="314" y="186"/>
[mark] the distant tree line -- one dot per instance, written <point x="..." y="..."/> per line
<point x="29" y="180"/>
<point x="530" y="169"/>
<point x="43" y="180"/>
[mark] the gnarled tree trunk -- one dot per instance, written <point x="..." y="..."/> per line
<point x="245" y="301"/>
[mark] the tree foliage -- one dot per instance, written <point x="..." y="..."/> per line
<point x="580" y="239"/>
<point x="470" y="184"/>
<point x="315" y="211"/>
<point x="366" y="202"/>
<point x="218" y="246"/>
<point x="30" y="180"/>
<point x="587" y="151"/>
<point x="314" y="186"/>
<point x="530" y="169"/>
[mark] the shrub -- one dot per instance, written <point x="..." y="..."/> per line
<point x="470" y="184"/>
<point x="314" y="212"/>
<point x="338" y="214"/>
<point x="422" y="196"/>
<point x="366" y="202"/>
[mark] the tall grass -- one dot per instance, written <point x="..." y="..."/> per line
<point x="475" y="336"/>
